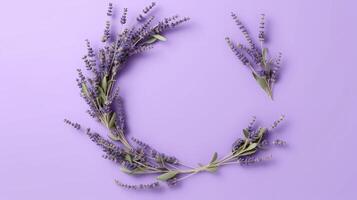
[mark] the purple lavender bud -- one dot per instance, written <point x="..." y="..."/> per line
<point x="129" y="166"/>
<point x="278" y="60"/>
<point x="124" y="16"/>
<point x="253" y="55"/>
<point x="110" y="9"/>
<point x="237" y="144"/>
<point x="261" y="73"/>
<point x="170" y="159"/>
<point x="106" y="34"/>
<point x="81" y="76"/>
<point x="251" y="123"/>
<point x="244" y="31"/>
<point x="140" y="18"/>
<point x="148" y="8"/>
<point x="254" y="135"/>
<point x="261" y="35"/>
<point x="239" y="54"/>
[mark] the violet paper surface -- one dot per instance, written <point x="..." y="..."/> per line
<point x="189" y="96"/>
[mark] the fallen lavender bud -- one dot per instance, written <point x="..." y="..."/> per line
<point x="277" y="122"/>
<point x="279" y="142"/>
<point x="250" y="160"/>
<point x="73" y="124"/>
<point x="139" y="186"/>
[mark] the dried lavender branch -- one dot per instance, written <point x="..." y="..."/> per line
<point x="264" y="69"/>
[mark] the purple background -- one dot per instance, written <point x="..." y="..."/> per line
<point x="189" y="96"/>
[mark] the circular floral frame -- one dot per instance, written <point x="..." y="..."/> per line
<point x="105" y="104"/>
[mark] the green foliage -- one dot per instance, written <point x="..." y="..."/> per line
<point x="263" y="82"/>
<point x="159" y="37"/>
<point x="168" y="175"/>
<point x="112" y="121"/>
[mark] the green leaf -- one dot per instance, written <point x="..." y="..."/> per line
<point x="113" y="137"/>
<point x="166" y="176"/>
<point x="247" y="146"/>
<point x="261" y="132"/>
<point x="101" y="91"/>
<point x="248" y="153"/>
<point x="246" y="133"/>
<point x="263" y="82"/>
<point x="214" y="158"/>
<point x="247" y="150"/>
<point x="84" y="89"/>
<point x="112" y="121"/>
<point x="264" y="58"/>
<point x="251" y="147"/>
<point x="151" y="40"/>
<point x="134" y="171"/>
<point x="128" y="158"/>
<point x="102" y="94"/>
<point x="159" y="37"/>
<point x="264" y="54"/>
<point x="246" y="142"/>
<point x="104" y="84"/>
<point x="159" y="159"/>
<point x="125" y="170"/>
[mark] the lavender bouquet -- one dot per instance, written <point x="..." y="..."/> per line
<point x="105" y="105"/>
<point x="264" y="68"/>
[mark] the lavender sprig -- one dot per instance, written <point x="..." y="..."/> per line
<point x="264" y="68"/>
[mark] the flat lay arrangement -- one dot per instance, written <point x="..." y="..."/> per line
<point x="178" y="100"/>
<point x="99" y="90"/>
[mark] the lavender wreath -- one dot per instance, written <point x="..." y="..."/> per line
<point x="105" y="104"/>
